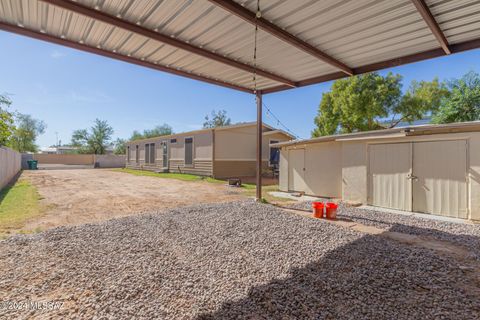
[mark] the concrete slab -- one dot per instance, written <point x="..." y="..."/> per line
<point x="286" y="195"/>
<point x="417" y="214"/>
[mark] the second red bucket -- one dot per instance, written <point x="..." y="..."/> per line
<point x="331" y="212"/>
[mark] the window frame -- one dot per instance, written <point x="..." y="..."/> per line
<point x="270" y="151"/>
<point x="185" y="152"/>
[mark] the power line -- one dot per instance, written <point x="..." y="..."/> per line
<point x="279" y="123"/>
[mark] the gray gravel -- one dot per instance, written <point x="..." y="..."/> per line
<point x="465" y="234"/>
<point x="229" y="261"/>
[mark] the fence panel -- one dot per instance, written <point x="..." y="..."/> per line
<point x="10" y="165"/>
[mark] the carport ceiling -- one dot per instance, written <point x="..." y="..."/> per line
<point x="300" y="42"/>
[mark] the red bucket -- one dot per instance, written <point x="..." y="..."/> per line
<point x="317" y="209"/>
<point x="331" y="210"/>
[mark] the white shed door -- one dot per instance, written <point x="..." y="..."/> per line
<point x="296" y="170"/>
<point x="440" y="173"/>
<point x="389" y="172"/>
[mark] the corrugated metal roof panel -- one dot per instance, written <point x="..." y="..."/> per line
<point x="357" y="33"/>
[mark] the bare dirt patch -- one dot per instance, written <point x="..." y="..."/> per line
<point x="91" y="195"/>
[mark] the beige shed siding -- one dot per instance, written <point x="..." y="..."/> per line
<point x="355" y="166"/>
<point x="323" y="170"/>
<point x="327" y="180"/>
<point x="283" y="178"/>
<point x="353" y="161"/>
<point x="354" y="171"/>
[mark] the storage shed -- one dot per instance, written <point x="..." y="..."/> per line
<point x="221" y="152"/>
<point x="429" y="168"/>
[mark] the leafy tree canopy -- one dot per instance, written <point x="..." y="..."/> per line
<point x="6" y="120"/>
<point x="160" y="130"/>
<point x="119" y="146"/>
<point x="218" y="119"/>
<point x="96" y="140"/>
<point x="463" y="102"/>
<point x="362" y="103"/>
<point x="25" y="134"/>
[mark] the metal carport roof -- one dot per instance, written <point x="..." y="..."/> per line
<point x="300" y="42"/>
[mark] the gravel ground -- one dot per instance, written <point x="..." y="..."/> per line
<point x="229" y="261"/>
<point x="460" y="233"/>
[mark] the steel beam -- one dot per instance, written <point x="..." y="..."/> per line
<point x="117" y="56"/>
<point x="427" y="15"/>
<point x="455" y="48"/>
<point x="132" y="27"/>
<point x="281" y="34"/>
<point x="259" y="146"/>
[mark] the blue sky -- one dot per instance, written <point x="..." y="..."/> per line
<point x="68" y="89"/>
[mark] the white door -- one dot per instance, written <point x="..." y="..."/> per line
<point x="440" y="178"/>
<point x="296" y="170"/>
<point x="389" y="183"/>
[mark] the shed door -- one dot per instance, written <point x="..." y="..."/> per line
<point x="296" y="170"/>
<point x="439" y="181"/>
<point x="389" y="176"/>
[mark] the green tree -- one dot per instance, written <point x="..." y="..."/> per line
<point x="160" y="130"/>
<point x="94" y="141"/>
<point x="26" y="131"/>
<point x="362" y="103"/>
<point x="218" y="119"/>
<point x="119" y="146"/>
<point x="6" y="120"/>
<point x="463" y="103"/>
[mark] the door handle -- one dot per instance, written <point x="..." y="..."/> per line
<point x="411" y="177"/>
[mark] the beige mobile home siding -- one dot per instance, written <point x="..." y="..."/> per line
<point x="235" y="151"/>
<point x="202" y="154"/>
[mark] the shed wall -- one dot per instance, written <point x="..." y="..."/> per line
<point x="352" y="161"/>
<point x="355" y="166"/>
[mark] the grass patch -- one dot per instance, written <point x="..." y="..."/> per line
<point x="177" y="176"/>
<point x="248" y="188"/>
<point x="18" y="203"/>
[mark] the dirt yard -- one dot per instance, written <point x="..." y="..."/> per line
<point x="72" y="197"/>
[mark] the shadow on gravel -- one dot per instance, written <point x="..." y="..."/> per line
<point x="371" y="278"/>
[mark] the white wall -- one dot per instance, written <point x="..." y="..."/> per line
<point x="110" y="160"/>
<point x="10" y="165"/>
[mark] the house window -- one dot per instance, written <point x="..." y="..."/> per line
<point x="150" y="153"/>
<point x="164" y="154"/>
<point x="128" y="153"/>
<point x="136" y="154"/>
<point x="147" y="153"/>
<point x="173" y="140"/>
<point x="274" y="158"/>
<point x="188" y="151"/>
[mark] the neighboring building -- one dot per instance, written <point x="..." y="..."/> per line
<point x="221" y="152"/>
<point x="429" y="168"/>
